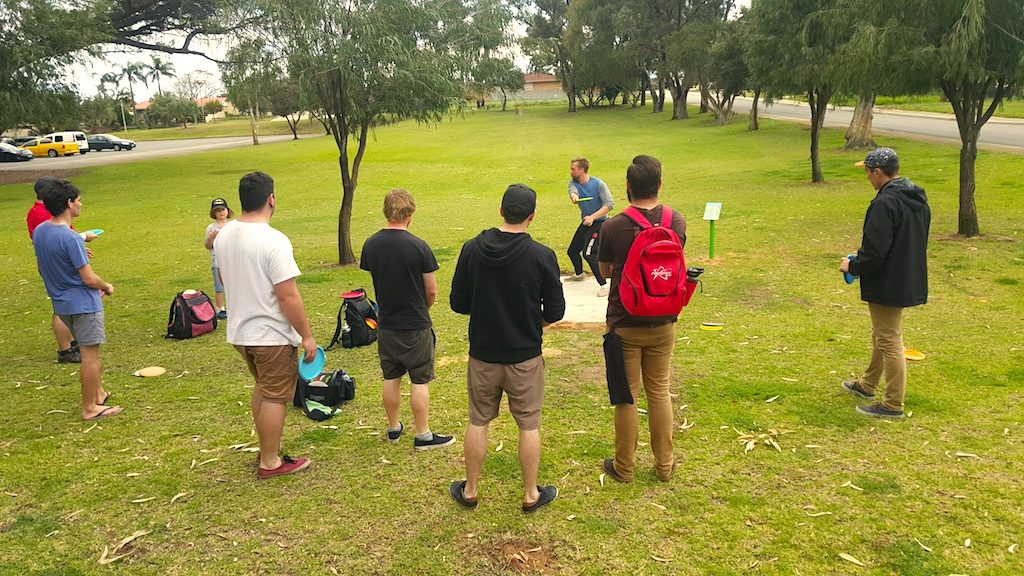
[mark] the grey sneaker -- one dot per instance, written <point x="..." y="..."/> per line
<point x="876" y="410"/>
<point x="575" y="277"/>
<point x="70" y="356"/>
<point x="394" y="435"/>
<point x="436" y="441"/>
<point x="854" y="387"/>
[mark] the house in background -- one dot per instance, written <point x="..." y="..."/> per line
<point x="537" y="87"/>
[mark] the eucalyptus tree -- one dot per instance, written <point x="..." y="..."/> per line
<point x="374" y="62"/>
<point x="284" y="99"/>
<point x="604" y="68"/>
<point x="727" y="74"/>
<point x="248" y="75"/>
<point x="796" y="42"/>
<point x="979" y="60"/>
<point x="547" y="22"/>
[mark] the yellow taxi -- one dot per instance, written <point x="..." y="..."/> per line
<point x="47" y="147"/>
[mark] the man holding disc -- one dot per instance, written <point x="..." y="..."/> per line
<point x="594" y="199"/>
<point x="892" y="264"/>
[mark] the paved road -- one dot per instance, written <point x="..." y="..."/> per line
<point x="1005" y="134"/>
<point x="145" y="151"/>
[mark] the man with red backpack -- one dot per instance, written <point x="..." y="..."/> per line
<point x="638" y="252"/>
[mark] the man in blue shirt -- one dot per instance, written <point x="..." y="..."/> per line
<point x="594" y="199"/>
<point x="74" y="290"/>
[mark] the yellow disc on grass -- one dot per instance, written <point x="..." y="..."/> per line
<point x="913" y="354"/>
<point x="711" y="325"/>
<point x="150" y="371"/>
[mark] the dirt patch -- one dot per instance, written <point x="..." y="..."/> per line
<point x="30" y="176"/>
<point x="522" y="557"/>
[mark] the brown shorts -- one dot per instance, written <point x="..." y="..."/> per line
<point x="409" y="351"/>
<point x="523" y="382"/>
<point x="275" y="368"/>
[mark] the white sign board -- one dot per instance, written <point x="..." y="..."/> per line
<point x="712" y="210"/>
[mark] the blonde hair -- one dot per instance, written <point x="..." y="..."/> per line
<point x="398" y="205"/>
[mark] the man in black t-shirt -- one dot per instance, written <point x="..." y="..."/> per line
<point x="402" y="267"/>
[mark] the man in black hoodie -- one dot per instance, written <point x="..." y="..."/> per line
<point x="508" y="284"/>
<point x="892" y="264"/>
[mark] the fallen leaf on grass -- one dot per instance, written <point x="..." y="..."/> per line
<point x="240" y="446"/>
<point x="816" y="514"/>
<point x="686" y="425"/>
<point x="601" y="479"/>
<point x="11" y="494"/>
<point x="849" y="558"/>
<point x="113" y="555"/>
<point x="329" y="427"/>
<point x="750" y="446"/>
<point x="967" y="543"/>
<point x="852" y="485"/>
<point x="812" y="446"/>
<point x="790" y="380"/>
<point x="772" y="399"/>
<point x="921" y="544"/>
<point x="966" y="455"/>
<point x="1012" y="549"/>
<point x="501" y="446"/>
<point x="132" y="474"/>
<point x="193" y="465"/>
<point x="57" y="412"/>
<point x="576" y="432"/>
<point x="141" y="500"/>
<point x="658" y="506"/>
<point x="660" y="559"/>
<point x="774" y="444"/>
<point x="641" y="410"/>
<point x="384" y="460"/>
<point x="178" y="496"/>
<point x="51" y="533"/>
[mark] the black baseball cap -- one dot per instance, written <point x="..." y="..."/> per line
<point x="219" y="203"/>
<point x="518" y="203"/>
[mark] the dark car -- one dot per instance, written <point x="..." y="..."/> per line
<point x="109" y="142"/>
<point x="10" y="153"/>
<point x="19" y="140"/>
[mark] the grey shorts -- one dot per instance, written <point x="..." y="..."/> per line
<point x="523" y="382"/>
<point x="87" y="329"/>
<point x="407" y="351"/>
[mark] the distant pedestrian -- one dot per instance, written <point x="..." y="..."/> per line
<point x="647" y="341"/>
<point x="594" y="199"/>
<point x="509" y="285"/>
<point x="403" y="267"/>
<point x="75" y="290"/>
<point x="268" y="318"/>
<point x="892" y="264"/>
<point x="220" y="212"/>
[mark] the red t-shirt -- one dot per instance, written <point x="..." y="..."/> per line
<point x="36" y="216"/>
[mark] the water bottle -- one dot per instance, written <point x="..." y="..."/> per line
<point x="590" y="246"/>
<point x="692" y="280"/>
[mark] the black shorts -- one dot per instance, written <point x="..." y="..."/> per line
<point x="407" y="351"/>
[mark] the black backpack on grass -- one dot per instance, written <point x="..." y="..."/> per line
<point x="357" y="321"/>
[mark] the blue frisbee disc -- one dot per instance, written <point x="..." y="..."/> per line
<point x="311" y="370"/>
<point x="850" y="278"/>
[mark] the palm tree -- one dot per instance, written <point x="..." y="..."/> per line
<point x="110" y="78"/>
<point x="158" y="68"/>
<point x="134" y="71"/>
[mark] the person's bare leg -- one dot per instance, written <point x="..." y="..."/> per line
<point x="269" y="420"/>
<point x="475" y="451"/>
<point x="218" y="298"/>
<point x="419" y="400"/>
<point x="391" y="394"/>
<point x="529" y="462"/>
<point x="61" y="334"/>
<point x="89" y="376"/>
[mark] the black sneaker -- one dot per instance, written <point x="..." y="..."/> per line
<point x="854" y="387"/>
<point x="437" y="441"/>
<point x="876" y="410"/>
<point x="547" y="495"/>
<point x="457" y="491"/>
<point x="222" y="315"/>
<point x="609" y="468"/>
<point x="394" y="435"/>
<point x="70" y="356"/>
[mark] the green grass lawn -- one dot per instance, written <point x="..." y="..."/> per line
<point x="896" y="496"/>
<point x="232" y="126"/>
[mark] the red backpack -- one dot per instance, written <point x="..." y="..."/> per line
<point x="654" y="275"/>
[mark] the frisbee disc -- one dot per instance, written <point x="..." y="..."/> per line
<point x="96" y="231"/>
<point x="311" y="370"/>
<point x="371" y="323"/>
<point x="587" y="198"/>
<point x="711" y="326"/>
<point x="913" y="354"/>
<point x="850" y="278"/>
<point x="149" y="371"/>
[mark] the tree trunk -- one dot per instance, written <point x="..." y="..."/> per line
<point x="349" y="181"/>
<point x="818" y="100"/>
<point x="754" y="124"/>
<point x="704" y="96"/>
<point x="967" y="223"/>
<point x="679" y="92"/>
<point x="658" y="97"/>
<point x="254" y="125"/>
<point x="858" y="135"/>
<point x="504" y="99"/>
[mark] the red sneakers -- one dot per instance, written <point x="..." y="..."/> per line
<point x="288" y="465"/>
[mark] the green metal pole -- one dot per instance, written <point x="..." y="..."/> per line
<point x="711" y="243"/>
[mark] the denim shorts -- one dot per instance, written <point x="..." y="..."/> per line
<point x="218" y="286"/>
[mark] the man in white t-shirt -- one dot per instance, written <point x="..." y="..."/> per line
<point x="268" y="318"/>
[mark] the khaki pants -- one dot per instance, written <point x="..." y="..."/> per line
<point x="648" y="355"/>
<point x="887" y="356"/>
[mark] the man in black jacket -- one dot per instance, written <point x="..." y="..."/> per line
<point x="508" y="284"/>
<point x="892" y="264"/>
